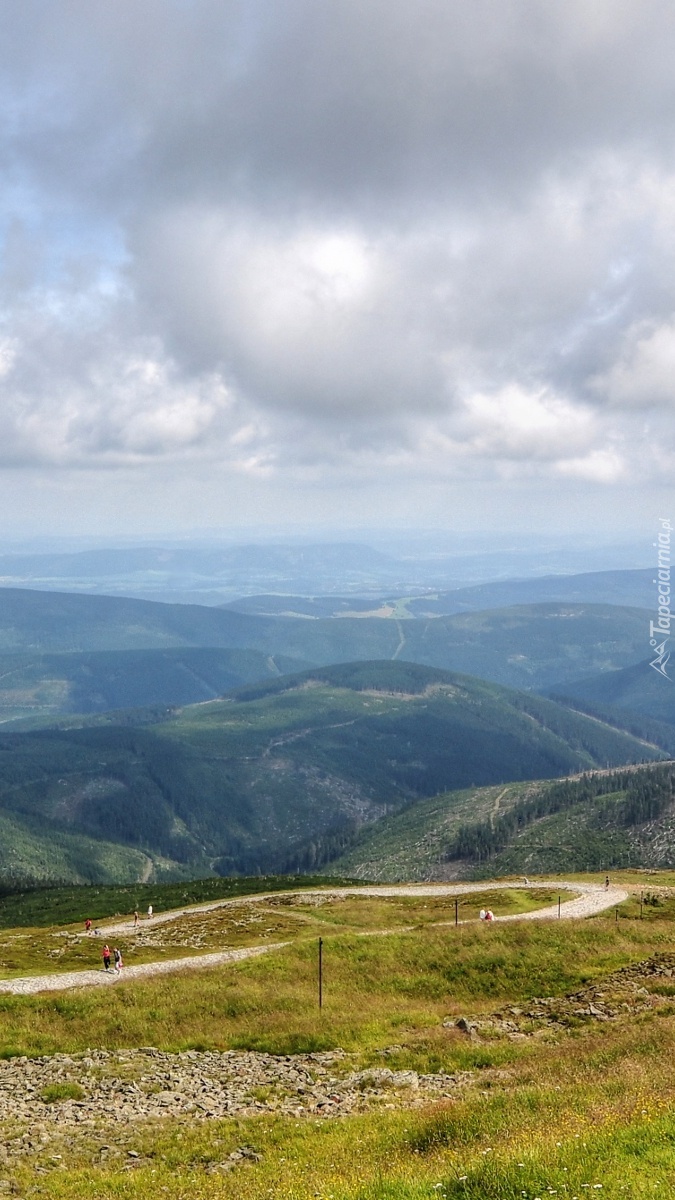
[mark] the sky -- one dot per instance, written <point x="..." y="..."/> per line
<point x="280" y="263"/>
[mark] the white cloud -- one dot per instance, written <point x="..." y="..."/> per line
<point x="643" y="376"/>
<point x="326" y="240"/>
<point x="520" y="424"/>
<point x="599" y="466"/>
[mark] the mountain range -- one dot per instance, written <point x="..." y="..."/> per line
<point x="278" y="776"/>
<point x="213" y="572"/>
<point x="143" y="739"/>
<point x="538" y="647"/>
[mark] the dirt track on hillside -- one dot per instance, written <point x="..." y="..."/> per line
<point x="590" y="900"/>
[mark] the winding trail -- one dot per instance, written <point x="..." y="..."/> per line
<point x="590" y="899"/>
<point x="401" y="642"/>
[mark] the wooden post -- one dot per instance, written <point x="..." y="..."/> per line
<point x="456" y="911"/>
<point x="320" y="972"/>
<point x="558" y="907"/>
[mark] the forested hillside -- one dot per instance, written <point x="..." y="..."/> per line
<point x="596" y="821"/>
<point x="637" y="689"/>
<point x="531" y="646"/>
<point x="284" y="774"/>
<point x="46" y="685"/>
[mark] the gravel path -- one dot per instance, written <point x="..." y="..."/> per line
<point x="591" y="898"/>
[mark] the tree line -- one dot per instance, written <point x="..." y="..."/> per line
<point x="645" y="795"/>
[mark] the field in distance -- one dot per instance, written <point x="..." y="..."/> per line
<point x="634" y="588"/>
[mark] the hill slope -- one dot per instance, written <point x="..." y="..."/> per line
<point x="637" y="688"/>
<point x="594" y="822"/>
<point x="282" y="775"/>
<point x="628" y="588"/>
<point x="531" y="646"/>
<point x="46" y="685"/>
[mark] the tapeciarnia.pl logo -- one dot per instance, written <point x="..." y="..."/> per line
<point x="660" y="629"/>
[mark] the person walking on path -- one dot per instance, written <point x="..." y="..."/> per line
<point x="118" y="959"/>
<point x="106" y="956"/>
<point x="606" y="882"/>
<point x="149" y="911"/>
<point x="87" y="926"/>
<point x="135" y="918"/>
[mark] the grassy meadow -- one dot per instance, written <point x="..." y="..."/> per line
<point x="49" y="950"/>
<point x="568" y="1111"/>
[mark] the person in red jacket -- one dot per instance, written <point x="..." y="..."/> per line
<point x="106" y="956"/>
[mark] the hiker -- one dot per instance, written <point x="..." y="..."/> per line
<point x="489" y="916"/>
<point x="149" y="911"/>
<point x="118" y="959"/>
<point x="106" y="956"/>
<point x="606" y="882"/>
<point x="135" y="917"/>
<point x="87" y="926"/>
<point x="482" y="914"/>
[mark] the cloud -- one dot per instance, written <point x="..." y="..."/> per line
<point x="643" y="375"/>
<point x="535" y="426"/>
<point x="322" y="240"/>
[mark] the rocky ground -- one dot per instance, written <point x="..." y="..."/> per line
<point x="131" y="1085"/>
<point x="620" y="994"/>
<point x="96" y="1105"/>
<point x="126" y="1086"/>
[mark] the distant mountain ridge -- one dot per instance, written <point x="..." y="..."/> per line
<point x="214" y="573"/>
<point x="632" y="588"/>
<point x="529" y="646"/>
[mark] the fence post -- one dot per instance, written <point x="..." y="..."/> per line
<point x="558" y="907"/>
<point x="456" y="911"/>
<point x="320" y="972"/>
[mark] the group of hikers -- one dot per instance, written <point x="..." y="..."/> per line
<point x="116" y="954"/>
